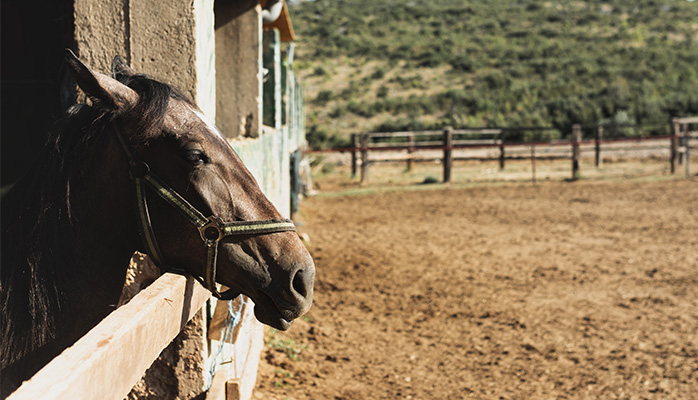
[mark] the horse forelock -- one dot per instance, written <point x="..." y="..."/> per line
<point x="146" y="117"/>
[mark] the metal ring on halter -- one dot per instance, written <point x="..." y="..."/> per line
<point x="212" y="230"/>
<point x="138" y="169"/>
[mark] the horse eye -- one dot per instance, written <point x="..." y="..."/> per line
<point x="195" y="156"/>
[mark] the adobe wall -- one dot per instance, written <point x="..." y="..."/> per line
<point x="238" y="68"/>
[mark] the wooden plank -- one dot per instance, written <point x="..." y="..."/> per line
<point x="111" y="358"/>
<point x="220" y="318"/>
<point x="249" y="373"/>
<point x="687" y="142"/>
<point x="674" y="145"/>
<point x="354" y="144"/>
<point x="403" y="133"/>
<point x="217" y="391"/>
<point x="448" y="153"/>
<point x="477" y="131"/>
<point x="687" y="120"/>
<point x="502" y="155"/>
<point x="576" y="141"/>
<point x="410" y="150"/>
<point x="533" y="163"/>
<point x="598" y="160"/>
<point x="364" y="158"/>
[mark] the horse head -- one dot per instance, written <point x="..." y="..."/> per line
<point x="164" y="140"/>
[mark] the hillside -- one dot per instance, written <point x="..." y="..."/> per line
<point x="390" y="65"/>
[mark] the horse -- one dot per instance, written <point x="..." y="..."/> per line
<point x="137" y="168"/>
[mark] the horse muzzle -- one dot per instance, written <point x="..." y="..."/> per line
<point x="286" y="299"/>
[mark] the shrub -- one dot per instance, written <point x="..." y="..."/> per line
<point x="379" y="73"/>
<point x="320" y="71"/>
<point x="324" y="96"/>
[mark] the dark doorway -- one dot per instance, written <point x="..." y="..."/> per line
<point x="35" y="86"/>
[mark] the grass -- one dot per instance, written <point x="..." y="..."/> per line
<point x="292" y="349"/>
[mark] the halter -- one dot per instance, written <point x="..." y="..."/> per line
<point x="212" y="229"/>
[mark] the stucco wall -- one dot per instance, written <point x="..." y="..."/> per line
<point x="238" y="68"/>
<point x="267" y="157"/>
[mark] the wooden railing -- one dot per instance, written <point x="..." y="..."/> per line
<point x="108" y="361"/>
<point x="448" y="140"/>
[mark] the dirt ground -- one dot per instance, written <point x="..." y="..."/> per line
<point x="560" y="290"/>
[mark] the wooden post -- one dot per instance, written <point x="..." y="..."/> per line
<point x="410" y="150"/>
<point x="687" y="152"/>
<point x="576" y="139"/>
<point x="533" y="163"/>
<point x="674" y="145"/>
<point x="354" y="145"/>
<point x="683" y="128"/>
<point x="501" y="150"/>
<point x="599" y="136"/>
<point x="364" y="158"/>
<point x="448" y="153"/>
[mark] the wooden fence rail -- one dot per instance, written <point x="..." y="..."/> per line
<point x="111" y="358"/>
<point x="108" y="361"/>
<point x="411" y="142"/>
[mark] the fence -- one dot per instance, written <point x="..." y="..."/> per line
<point x="402" y="146"/>
<point x="111" y="358"/>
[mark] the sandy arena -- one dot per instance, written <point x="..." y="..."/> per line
<point x="585" y="290"/>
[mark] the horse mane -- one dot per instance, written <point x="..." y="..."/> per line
<point x="37" y="256"/>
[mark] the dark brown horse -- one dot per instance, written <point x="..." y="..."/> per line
<point x="71" y="224"/>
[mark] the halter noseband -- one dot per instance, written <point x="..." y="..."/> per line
<point x="211" y="229"/>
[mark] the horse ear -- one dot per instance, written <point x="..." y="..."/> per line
<point x="119" y="69"/>
<point x="109" y="92"/>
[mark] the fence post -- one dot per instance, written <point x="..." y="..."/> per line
<point x="364" y="158"/>
<point x="686" y="142"/>
<point x="576" y="139"/>
<point x="599" y="136"/>
<point x="355" y="146"/>
<point x="683" y="128"/>
<point x="674" y="145"/>
<point x="448" y="153"/>
<point x="533" y="163"/>
<point x="501" y="150"/>
<point x="410" y="149"/>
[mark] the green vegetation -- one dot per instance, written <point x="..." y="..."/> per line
<point x="422" y="64"/>
<point x="287" y="346"/>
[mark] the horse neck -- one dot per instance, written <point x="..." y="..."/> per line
<point x="105" y="238"/>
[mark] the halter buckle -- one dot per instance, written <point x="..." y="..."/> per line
<point x="212" y="230"/>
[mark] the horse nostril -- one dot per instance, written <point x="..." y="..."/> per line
<point x="300" y="284"/>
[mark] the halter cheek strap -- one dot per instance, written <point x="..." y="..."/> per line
<point x="212" y="229"/>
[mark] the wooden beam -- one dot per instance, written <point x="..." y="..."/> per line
<point x="448" y="153"/>
<point x="598" y="160"/>
<point x="355" y="145"/>
<point x="674" y="145"/>
<point x="576" y="155"/>
<point x="502" y="154"/>
<point x="111" y="358"/>
<point x="688" y="120"/>
<point x="364" y="158"/>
